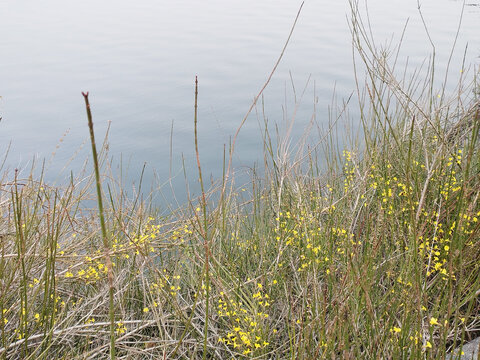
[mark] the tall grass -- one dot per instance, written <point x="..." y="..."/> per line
<point x="105" y="239"/>
<point x="364" y="250"/>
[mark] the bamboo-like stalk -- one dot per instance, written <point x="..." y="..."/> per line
<point x="106" y="243"/>
<point x="21" y="251"/>
<point x="205" y="225"/>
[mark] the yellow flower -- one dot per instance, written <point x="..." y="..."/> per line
<point x="433" y="321"/>
<point x="120" y="328"/>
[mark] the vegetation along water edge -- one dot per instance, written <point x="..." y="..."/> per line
<point x="365" y="247"/>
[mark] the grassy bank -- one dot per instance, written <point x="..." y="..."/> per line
<point x="359" y="252"/>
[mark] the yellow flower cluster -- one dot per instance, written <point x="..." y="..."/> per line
<point x="348" y="170"/>
<point x="166" y="283"/>
<point x="246" y="321"/>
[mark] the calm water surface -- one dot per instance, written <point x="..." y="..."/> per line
<point x="139" y="60"/>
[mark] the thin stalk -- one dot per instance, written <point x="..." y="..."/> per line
<point x="4" y="289"/>
<point x="205" y="226"/>
<point x="106" y="243"/>
<point x="21" y="251"/>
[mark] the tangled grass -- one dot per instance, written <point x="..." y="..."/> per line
<point x="375" y="255"/>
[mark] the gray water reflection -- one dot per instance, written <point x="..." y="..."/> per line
<point x="139" y="60"/>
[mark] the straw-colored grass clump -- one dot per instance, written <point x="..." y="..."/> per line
<point x="374" y="256"/>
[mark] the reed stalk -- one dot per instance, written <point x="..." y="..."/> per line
<point x="105" y="239"/>
<point x="204" y="225"/>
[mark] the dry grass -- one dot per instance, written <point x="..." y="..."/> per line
<point x="374" y="256"/>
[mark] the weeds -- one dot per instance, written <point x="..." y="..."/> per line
<point x="373" y="256"/>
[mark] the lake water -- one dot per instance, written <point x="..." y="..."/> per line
<point x="139" y="60"/>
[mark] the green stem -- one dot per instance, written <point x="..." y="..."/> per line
<point x="106" y="243"/>
<point x="205" y="226"/>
